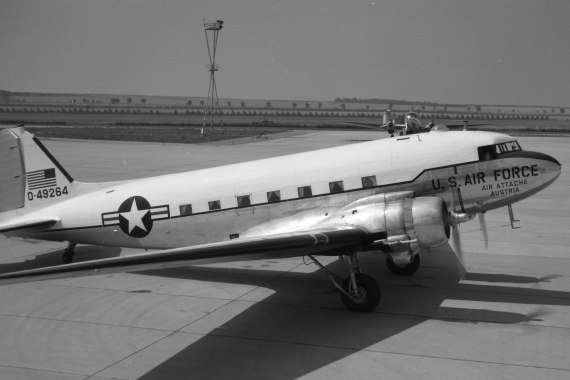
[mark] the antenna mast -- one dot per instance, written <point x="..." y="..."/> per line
<point x="213" y="102"/>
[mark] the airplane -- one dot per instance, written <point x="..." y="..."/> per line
<point x="412" y="125"/>
<point x="395" y="197"/>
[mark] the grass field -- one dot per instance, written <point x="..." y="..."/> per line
<point x="181" y="119"/>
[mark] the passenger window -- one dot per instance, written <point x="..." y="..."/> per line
<point x="244" y="200"/>
<point x="214" y="205"/>
<point x="336" y="187"/>
<point x="273" y="196"/>
<point x="369" y="181"/>
<point x="304" y="191"/>
<point x="185" y="210"/>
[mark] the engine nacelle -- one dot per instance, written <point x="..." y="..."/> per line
<point x="423" y="221"/>
<point x="398" y="222"/>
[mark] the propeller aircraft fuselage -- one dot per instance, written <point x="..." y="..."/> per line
<point x="396" y="196"/>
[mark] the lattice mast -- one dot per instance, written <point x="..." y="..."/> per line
<point x="213" y="102"/>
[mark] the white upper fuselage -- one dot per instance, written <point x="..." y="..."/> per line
<point x="290" y="192"/>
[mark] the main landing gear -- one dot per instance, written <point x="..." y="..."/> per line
<point x="359" y="291"/>
<point x="67" y="255"/>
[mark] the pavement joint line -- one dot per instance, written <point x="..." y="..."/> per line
<point x="135" y="292"/>
<point x="44" y="370"/>
<point x="83" y="322"/>
<point x="520" y="291"/>
<point x="381" y="352"/>
<point x="171" y="333"/>
<point x="442" y="318"/>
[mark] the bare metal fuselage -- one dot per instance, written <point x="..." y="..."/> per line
<point x="179" y="206"/>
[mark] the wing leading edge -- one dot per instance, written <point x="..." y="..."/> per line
<point x="320" y="241"/>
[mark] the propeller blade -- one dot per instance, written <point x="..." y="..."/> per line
<point x="458" y="247"/>
<point x="483" y="226"/>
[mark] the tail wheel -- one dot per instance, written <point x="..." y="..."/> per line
<point x="365" y="297"/>
<point x="407" y="270"/>
<point x="67" y="255"/>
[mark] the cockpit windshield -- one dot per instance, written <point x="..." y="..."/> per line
<point x="491" y="152"/>
<point x="511" y="146"/>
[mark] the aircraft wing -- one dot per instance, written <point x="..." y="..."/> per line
<point x="366" y="125"/>
<point x="319" y="241"/>
<point x="460" y="127"/>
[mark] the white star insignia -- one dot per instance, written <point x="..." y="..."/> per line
<point x="134" y="217"/>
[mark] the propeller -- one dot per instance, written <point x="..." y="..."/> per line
<point x="457" y="246"/>
<point x="483" y="226"/>
<point x="454" y="220"/>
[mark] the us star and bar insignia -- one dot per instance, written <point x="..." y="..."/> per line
<point x="136" y="216"/>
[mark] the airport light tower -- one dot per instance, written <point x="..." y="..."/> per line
<point x="213" y="102"/>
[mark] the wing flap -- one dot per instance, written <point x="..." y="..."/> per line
<point x="332" y="240"/>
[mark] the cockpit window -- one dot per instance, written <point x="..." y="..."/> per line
<point x="491" y="152"/>
<point x="511" y="146"/>
<point x="486" y="153"/>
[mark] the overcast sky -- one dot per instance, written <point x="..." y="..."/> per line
<point x="446" y="51"/>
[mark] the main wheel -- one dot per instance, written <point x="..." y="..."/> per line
<point x="406" y="270"/>
<point x="365" y="297"/>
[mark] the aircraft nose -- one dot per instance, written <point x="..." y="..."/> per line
<point x="551" y="166"/>
<point x="546" y="157"/>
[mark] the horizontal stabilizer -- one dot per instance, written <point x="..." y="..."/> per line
<point x="330" y="240"/>
<point x="32" y="224"/>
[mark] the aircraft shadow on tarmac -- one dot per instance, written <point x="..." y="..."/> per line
<point x="54" y="257"/>
<point x="302" y="326"/>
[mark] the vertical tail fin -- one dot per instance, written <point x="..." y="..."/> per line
<point x="385" y="117"/>
<point x="29" y="174"/>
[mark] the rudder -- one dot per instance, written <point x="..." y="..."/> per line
<point x="12" y="174"/>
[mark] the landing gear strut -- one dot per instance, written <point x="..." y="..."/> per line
<point x="67" y="255"/>
<point x="359" y="291"/>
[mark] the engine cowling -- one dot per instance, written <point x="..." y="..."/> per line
<point x="423" y="220"/>
<point x="398" y="222"/>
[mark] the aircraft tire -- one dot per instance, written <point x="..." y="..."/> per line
<point x="369" y="294"/>
<point x="407" y="270"/>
